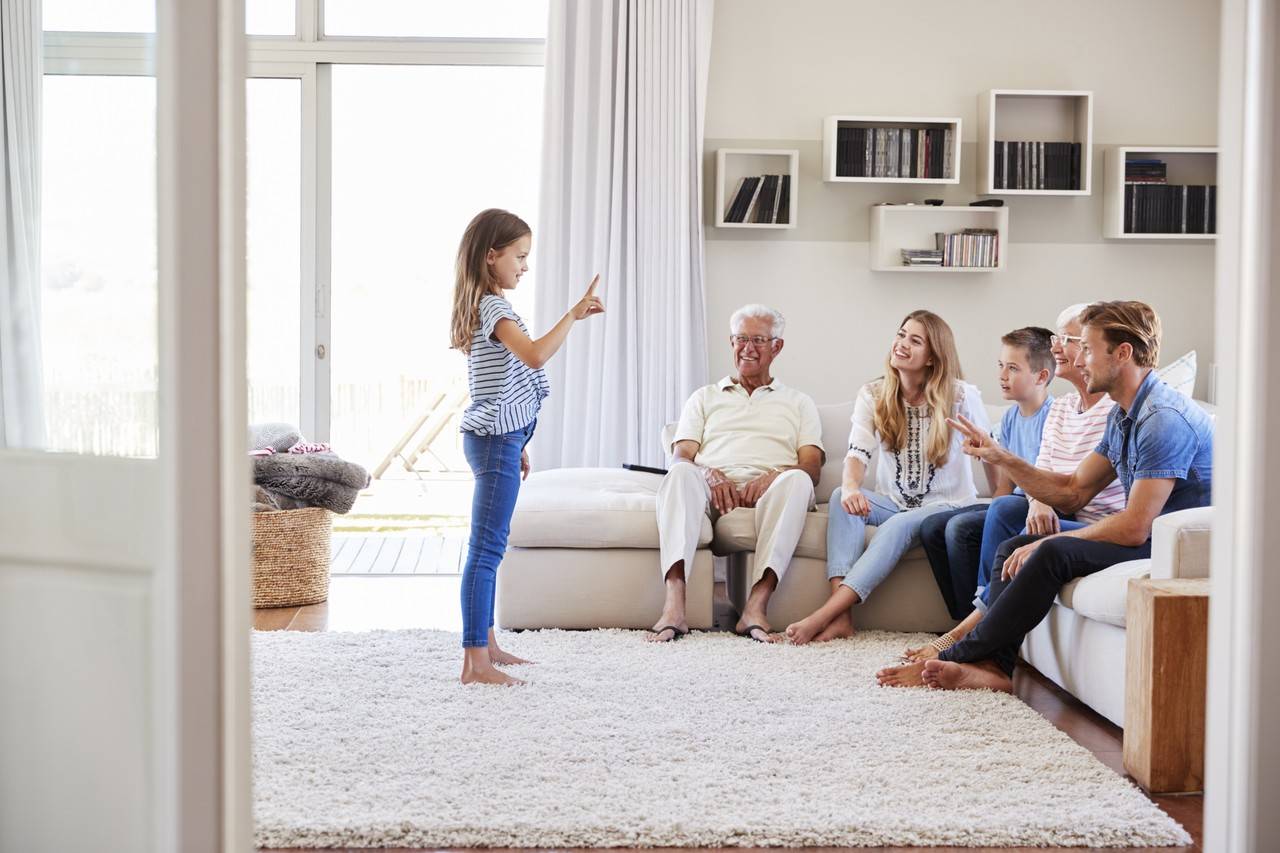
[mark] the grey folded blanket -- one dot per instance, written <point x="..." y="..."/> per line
<point x="299" y="480"/>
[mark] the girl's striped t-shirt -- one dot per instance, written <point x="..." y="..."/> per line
<point x="1069" y="436"/>
<point x="506" y="393"/>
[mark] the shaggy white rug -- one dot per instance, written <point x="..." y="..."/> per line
<point x="368" y="740"/>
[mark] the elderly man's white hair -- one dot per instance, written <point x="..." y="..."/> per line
<point x="1069" y="314"/>
<point x="777" y="323"/>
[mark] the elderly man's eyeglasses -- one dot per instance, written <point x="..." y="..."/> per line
<point x="758" y="340"/>
<point x="1063" y="340"/>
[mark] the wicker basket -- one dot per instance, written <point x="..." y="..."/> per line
<point x="291" y="557"/>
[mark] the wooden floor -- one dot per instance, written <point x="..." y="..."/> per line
<point x="363" y="603"/>
<point x="375" y="554"/>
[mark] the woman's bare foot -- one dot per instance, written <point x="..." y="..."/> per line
<point x="805" y="630"/>
<point x="946" y="675"/>
<point x="907" y="675"/>
<point x="920" y="655"/>
<point x="840" y="628"/>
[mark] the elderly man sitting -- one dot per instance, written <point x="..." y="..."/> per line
<point x="745" y="441"/>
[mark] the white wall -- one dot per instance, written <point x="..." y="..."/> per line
<point x="777" y="69"/>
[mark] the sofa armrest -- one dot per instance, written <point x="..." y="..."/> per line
<point x="1180" y="544"/>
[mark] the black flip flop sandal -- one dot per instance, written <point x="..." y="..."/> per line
<point x="676" y="633"/>
<point x="747" y="632"/>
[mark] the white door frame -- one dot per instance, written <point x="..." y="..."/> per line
<point x="1242" y="743"/>
<point x="204" y="761"/>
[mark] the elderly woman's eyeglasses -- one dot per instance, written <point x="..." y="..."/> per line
<point x="1063" y="340"/>
<point x="758" y="340"/>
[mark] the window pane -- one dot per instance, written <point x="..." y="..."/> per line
<point x="273" y="114"/>
<point x="270" y="18"/>
<point x="96" y="16"/>
<point x="406" y="182"/>
<point x="99" y="264"/>
<point x="438" y="18"/>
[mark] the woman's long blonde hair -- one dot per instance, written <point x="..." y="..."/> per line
<point x="490" y="229"/>
<point x="941" y="379"/>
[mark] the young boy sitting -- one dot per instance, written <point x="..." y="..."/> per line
<point x="953" y="540"/>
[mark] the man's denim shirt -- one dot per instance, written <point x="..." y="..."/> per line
<point x="1164" y="436"/>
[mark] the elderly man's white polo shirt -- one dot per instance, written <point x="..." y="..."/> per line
<point x="745" y="435"/>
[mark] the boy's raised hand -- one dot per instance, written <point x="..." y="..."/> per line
<point x="590" y="303"/>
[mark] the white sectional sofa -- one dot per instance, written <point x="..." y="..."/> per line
<point x="584" y="554"/>
<point x="1080" y="645"/>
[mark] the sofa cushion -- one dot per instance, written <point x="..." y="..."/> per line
<point x="1102" y="595"/>
<point x="590" y="508"/>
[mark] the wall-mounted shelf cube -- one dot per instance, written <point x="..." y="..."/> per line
<point x="745" y="195"/>
<point x="1133" y="182"/>
<point x="891" y="150"/>
<point x="1022" y="119"/>
<point x="895" y="227"/>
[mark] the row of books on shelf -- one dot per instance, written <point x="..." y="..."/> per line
<point x="762" y="199"/>
<point x="972" y="247"/>
<point x="1144" y="171"/>
<point x="893" y="152"/>
<point x="1158" y="208"/>
<point x="1037" y="165"/>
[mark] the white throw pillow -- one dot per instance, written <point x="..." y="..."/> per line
<point x="1181" y="373"/>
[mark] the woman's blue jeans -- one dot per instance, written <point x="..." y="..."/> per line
<point x="864" y="566"/>
<point x="495" y="462"/>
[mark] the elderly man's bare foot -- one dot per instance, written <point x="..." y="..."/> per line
<point x="947" y="675"/>
<point x="756" y="629"/>
<point x="907" y="675"/>
<point x="805" y="630"/>
<point x="671" y="625"/>
<point x="840" y="628"/>
<point x="480" y="675"/>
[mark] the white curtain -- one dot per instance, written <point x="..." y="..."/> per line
<point x="626" y="88"/>
<point x="21" y="69"/>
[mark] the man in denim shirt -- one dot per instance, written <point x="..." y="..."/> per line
<point x="1160" y="445"/>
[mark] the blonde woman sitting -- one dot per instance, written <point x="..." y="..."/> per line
<point x="921" y="469"/>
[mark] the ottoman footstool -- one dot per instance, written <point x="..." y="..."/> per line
<point x="583" y="553"/>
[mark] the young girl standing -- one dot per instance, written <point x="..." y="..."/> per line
<point x="508" y="385"/>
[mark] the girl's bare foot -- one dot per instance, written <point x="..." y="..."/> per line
<point x="908" y="675"/>
<point x="840" y="628"/>
<point x="500" y="658"/>
<point x="805" y="630"/>
<point x="488" y="676"/>
<point x="946" y="675"/>
<point x="477" y="668"/>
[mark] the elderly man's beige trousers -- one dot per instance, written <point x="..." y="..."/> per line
<point x="684" y="499"/>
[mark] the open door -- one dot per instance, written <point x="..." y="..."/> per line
<point x="124" y="602"/>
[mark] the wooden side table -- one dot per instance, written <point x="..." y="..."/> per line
<point x="1166" y="656"/>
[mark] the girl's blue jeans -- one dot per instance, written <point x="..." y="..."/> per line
<point x="495" y="462"/>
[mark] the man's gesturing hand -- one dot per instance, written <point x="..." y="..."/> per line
<point x="976" y="441"/>
<point x="724" y="494"/>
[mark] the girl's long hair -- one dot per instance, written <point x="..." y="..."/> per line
<point x="490" y="229"/>
<point x="941" y="379"/>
